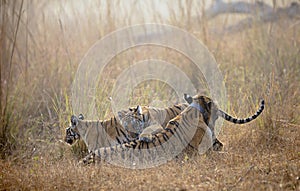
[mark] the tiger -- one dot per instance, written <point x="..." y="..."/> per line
<point x="97" y="133"/>
<point x="137" y="120"/>
<point x="190" y="128"/>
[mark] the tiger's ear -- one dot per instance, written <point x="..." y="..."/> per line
<point x="74" y="120"/>
<point x="139" y="110"/>
<point x="188" y="98"/>
<point x="81" y="117"/>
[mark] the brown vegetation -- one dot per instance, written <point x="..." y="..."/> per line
<point x="40" y="53"/>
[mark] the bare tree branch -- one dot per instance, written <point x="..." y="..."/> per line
<point x="258" y="12"/>
<point x="219" y="7"/>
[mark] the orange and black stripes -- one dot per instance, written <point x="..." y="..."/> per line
<point x="185" y="130"/>
<point x="98" y="133"/>
<point x="141" y="117"/>
<point x="180" y="130"/>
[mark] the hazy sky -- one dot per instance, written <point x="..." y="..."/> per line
<point x="130" y="11"/>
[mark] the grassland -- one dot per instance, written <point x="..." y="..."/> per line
<point x="40" y="53"/>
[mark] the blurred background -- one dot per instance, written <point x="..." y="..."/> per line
<point x="256" y="46"/>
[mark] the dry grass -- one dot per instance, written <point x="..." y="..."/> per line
<point x="233" y="169"/>
<point x="36" y="87"/>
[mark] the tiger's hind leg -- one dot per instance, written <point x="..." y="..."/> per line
<point x="147" y="133"/>
<point x="217" y="145"/>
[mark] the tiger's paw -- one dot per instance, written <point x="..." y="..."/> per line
<point x="89" y="159"/>
<point x="217" y="145"/>
<point x="146" y="138"/>
<point x="148" y="133"/>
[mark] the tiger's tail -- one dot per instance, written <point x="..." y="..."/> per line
<point x="227" y="117"/>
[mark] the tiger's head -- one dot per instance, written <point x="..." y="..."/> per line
<point x="206" y="106"/>
<point x="134" y="121"/>
<point x="72" y="133"/>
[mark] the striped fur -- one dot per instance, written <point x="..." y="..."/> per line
<point x="219" y="113"/>
<point x="185" y="131"/>
<point x="242" y="121"/>
<point x="137" y="119"/>
<point x="229" y="118"/>
<point x="96" y="133"/>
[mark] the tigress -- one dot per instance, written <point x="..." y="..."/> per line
<point x="189" y="128"/>
<point x="105" y="133"/>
